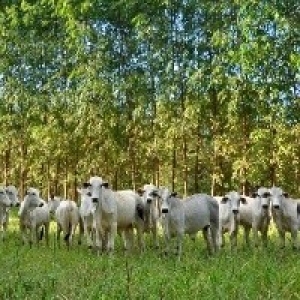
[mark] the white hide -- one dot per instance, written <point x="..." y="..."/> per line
<point x="67" y="219"/>
<point x="196" y="213"/>
<point x="285" y="212"/>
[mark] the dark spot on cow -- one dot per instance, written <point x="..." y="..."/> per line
<point x="164" y="210"/>
<point x="140" y="211"/>
<point x="140" y="192"/>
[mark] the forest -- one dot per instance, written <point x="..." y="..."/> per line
<point x="200" y="96"/>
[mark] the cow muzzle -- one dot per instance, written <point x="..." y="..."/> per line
<point x="276" y="206"/>
<point x="164" y="210"/>
<point x="235" y="211"/>
<point x="149" y="200"/>
<point x="265" y="206"/>
<point x="94" y="200"/>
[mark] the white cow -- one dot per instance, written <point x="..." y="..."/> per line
<point x="285" y="213"/>
<point x="12" y="193"/>
<point x="229" y="217"/>
<point x="199" y="212"/>
<point x="105" y="214"/>
<point x="34" y="214"/>
<point x="53" y="203"/>
<point x="5" y="203"/>
<point x="67" y="219"/>
<point x="115" y="211"/>
<point x="255" y="214"/>
<point x="86" y="211"/>
<point x="150" y="195"/>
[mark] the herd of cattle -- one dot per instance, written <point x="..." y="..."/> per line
<point x="103" y="213"/>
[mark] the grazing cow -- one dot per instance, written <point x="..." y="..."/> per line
<point x="86" y="211"/>
<point x="255" y="214"/>
<point x="115" y="211"/>
<point x="67" y="219"/>
<point x="285" y="212"/>
<point x="34" y="214"/>
<point x="199" y="212"/>
<point x="150" y="196"/>
<point x="5" y="203"/>
<point x="229" y="217"/>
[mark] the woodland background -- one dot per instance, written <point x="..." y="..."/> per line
<point x="202" y="96"/>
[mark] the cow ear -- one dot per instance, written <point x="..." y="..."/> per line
<point x="254" y="195"/>
<point x="86" y="185"/>
<point x="140" y="192"/>
<point x="105" y="185"/>
<point x="224" y="200"/>
<point x="174" y="194"/>
<point x="243" y="200"/>
<point x="285" y="194"/>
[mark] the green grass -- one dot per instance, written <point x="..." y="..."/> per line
<point x="53" y="273"/>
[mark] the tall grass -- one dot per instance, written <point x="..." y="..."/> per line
<point x="58" y="273"/>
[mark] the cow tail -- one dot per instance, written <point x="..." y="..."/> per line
<point x="67" y="236"/>
<point x="41" y="233"/>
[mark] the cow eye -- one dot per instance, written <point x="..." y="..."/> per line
<point x="266" y="195"/>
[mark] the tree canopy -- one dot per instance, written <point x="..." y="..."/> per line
<point x="202" y="96"/>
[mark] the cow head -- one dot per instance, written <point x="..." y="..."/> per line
<point x="4" y="199"/>
<point x="149" y="193"/>
<point x="12" y="193"/>
<point x="166" y="197"/>
<point x="233" y="200"/>
<point x="95" y="188"/>
<point x="277" y="195"/>
<point x="31" y="200"/>
<point x="263" y="195"/>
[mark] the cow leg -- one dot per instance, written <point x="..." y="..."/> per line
<point x="246" y="235"/>
<point x="154" y="233"/>
<point x="180" y="236"/>
<point x="264" y="237"/>
<point x="128" y="239"/>
<point x="111" y="237"/>
<point x="140" y="236"/>
<point x="214" y="238"/>
<point x="47" y="233"/>
<point x="281" y="238"/>
<point x="87" y="233"/>
<point x="233" y="239"/>
<point x="294" y="234"/>
<point x="208" y="238"/>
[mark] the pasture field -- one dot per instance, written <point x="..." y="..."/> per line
<point x="57" y="273"/>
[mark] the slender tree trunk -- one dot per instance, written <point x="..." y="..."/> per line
<point x="7" y="164"/>
<point x="196" y="166"/>
<point x="24" y="169"/>
<point x="174" y="163"/>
